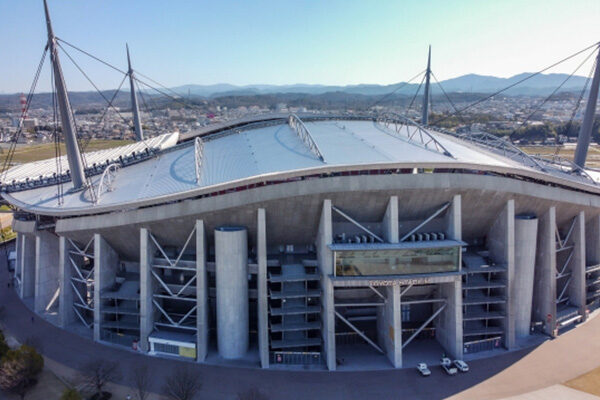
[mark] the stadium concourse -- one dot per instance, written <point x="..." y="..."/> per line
<point x="321" y="241"/>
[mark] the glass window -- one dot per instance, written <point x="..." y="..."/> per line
<point x="396" y="262"/>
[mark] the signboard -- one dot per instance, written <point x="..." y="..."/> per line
<point x="408" y="281"/>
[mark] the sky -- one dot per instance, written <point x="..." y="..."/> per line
<point x="332" y="42"/>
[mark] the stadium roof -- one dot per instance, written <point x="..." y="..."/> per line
<point x="277" y="150"/>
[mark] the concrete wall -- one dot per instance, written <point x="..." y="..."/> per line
<point x="66" y="313"/>
<point x="106" y="264"/>
<point x="325" y="259"/>
<point x="544" y="289"/>
<point x="26" y="263"/>
<point x="231" y="263"/>
<point x="501" y="245"/>
<point x="453" y="218"/>
<point x="389" y="325"/>
<point x="592" y="240"/>
<point x="390" y="221"/>
<point x="577" y="287"/>
<point x="263" y="318"/>
<point x="522" y="290"/>
<point x="201" y="293"/>
<point x="46" y="269"/>
<point x="449" y="327"/>
<point x="147" y="289"/>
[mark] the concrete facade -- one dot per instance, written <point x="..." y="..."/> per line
<point x="201" y="294"/>
<point x="263" y="322"/>
<point x="577" y="286"/>
<point x="147" y="251"/>
<point x="231" y="259"/>
<point x="544" y="292"/>
<point x="526" y="228"/>
<point x="26" y="264"/>
<point x="46" y="270"/>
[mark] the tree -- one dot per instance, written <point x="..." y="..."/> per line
<point x="252" y="394"/>
<point x="95" y="374"/>
<point x="183" y="384"/>
<point x="3" y="345"/>
<point x="142" y="376"/>
<point x="70" y="394"/>
<point x="19" y="370"/>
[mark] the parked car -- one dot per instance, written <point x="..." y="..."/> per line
<point x="447" y="366"/>
<point x="461" y="365"/>
<point x="422" y="368"/>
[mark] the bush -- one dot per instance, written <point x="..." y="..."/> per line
<point x="70" y="394"/>
<point x="3" y="345"/>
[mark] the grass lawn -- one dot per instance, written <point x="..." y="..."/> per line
<point x="593" y="158"/>
<point x="37" y="152"/>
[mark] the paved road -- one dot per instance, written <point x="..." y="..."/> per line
<point x="501" y="376"/>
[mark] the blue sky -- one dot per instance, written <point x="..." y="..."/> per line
<point x="286" y="42"/>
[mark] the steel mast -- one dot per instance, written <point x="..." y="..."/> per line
<point x="585" y="132"/>
<point x="139" y="133"/>
<point x="64" y="108"/>
<point x="426" y="95"/>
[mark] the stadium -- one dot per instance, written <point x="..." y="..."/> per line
<point x="315" y="240"/>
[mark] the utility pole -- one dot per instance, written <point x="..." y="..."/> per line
<point x="585" y="132"/>
<point x="426" y="95"/>
<point x="65" y="111"/>
<point x="139" y="133"/>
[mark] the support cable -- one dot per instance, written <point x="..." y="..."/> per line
<point x="11" y="151"/>
<point x="550" y="96"/>
<point x="416" y="94"/>
<point x="448" y="97"/>
<point x="517" y="83"/>
<point x="397" y="89"/>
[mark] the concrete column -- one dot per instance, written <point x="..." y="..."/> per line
<point x="147" y="251"/>
<point x="106" y="264"/>
<point x="501" y="245"/>
<point x="390" y="221"/>
<point x="592" y="241"/>
<point x="26" y="261"/>
<point x="577" y="287"/>
<point x="325" y="259"/>
<point x="263" y="327"/>
<point x="201" y="293"/>
<point x="449" y="326"/>
<point x="391" y="329"/>
<point x="231" y="259"/>
<point x="453" y="219"/>
<point x="544" y="288"/>
<point x="526" y="228"/>
<point x="65" y="306"/>
<point x="46" y="269"/>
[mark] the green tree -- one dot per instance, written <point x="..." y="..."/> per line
<point x="19" y="370"/>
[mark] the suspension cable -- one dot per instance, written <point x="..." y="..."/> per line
<point x="549" y="97"/>
<point x="91" y="55"/>
<point x="516" y="83"/>
<point x="11" y="151"/>
<point x="397" y="89"/>
<point x="416" y="94"/>
<point x="447" y="97"/>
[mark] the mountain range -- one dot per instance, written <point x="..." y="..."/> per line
<point x="542" y="84"/>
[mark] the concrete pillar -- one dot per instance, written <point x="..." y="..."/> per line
<point x="106" y="264"/>
<point x="544" y="288"/>
<point x="263" y="321"/>
<point x="46" y="269"/>
<point x="501" y="245"/>
<point x="390" y="221"/>
<point x="526" y="228"/>
<point x="390" y="328"/>
<point x="577" y="287"/>
<point x="449" y="327"/>
<point x="231" y="259"/>
<point x="453" y="219"/>
<point x="325" y="259"/>
<point x="592" y="241"/>
<point x="26" y="261"/>
<point x="66" y="313"/>
<point x="201" y="293"/>
<point x="147" y="251"/>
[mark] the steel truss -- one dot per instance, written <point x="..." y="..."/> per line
<point x="107" y="181"/>
<point x="198" y="155"/>
<point x="419" y="135"/>
<point x="169" y="292"/>
<point x="562" y="272"/>
<point x="82" y="279"/>
<point x="358" y="224"/>
<point x="297" y="125"/>
<point x="426" y="221"/>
